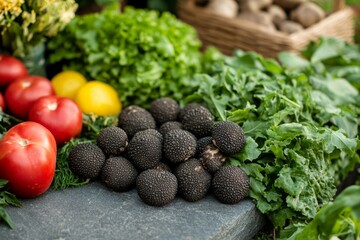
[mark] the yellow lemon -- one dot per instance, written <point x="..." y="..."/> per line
<point x="98" y="98"/>
<point x="67" y="83"/>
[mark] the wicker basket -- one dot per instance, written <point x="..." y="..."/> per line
<point x="228" y="34"/>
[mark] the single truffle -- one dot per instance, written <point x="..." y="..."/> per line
<point x="86" y="160"/>
<point x="194" y="181"/>
<point x="171" y="125"/>
<point x="179" y="145"/>
<point x="134" y="119"/>
<point x="145" y="150"/>
<point x="112" y="140"/>
<point x="156" y="187"/>
<point x="198" y="121"/>
<point x="230" y="184"/>
<point x="212" y="159"/>
<point x="228" y="137"/>
<point x="154" y="132"/>
<point x="164" y="109"/>
<point x="187" y="108"/>
<point x="118" y="174"/>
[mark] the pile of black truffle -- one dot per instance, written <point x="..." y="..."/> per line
<point x="166" y="151"/>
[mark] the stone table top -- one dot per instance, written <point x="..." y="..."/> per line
<point x="95" y="212"/>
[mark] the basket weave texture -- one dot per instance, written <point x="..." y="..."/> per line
<point x="228" y="34"/>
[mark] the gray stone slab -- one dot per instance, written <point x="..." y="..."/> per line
<point x="95" y="212"/>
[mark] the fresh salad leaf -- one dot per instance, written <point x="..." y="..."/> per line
<point x="7" y="199"/>
<point x="301" y="130"/>
<point x="338" y="219"/>
<point x="142" y="53"/>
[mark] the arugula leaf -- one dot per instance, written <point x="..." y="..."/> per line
<point x="302" y="133"/>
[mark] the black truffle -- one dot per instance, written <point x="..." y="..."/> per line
<point x="145" y="149"/>
<point x="171" y="125"/>
<point x="118" y="174"/>
<point x="228" y="137"/>
<point x="86" y="160"/>
<point x="198" y="121"/>
<point x="201" y="145"/>
<point x="230" y="184"/>
<point x="179" y="145"/>
<point x="134" y="119"/>
<point x="164" y="109"/>
<point x="194" y="181"/>
<point x="212" y="159"/>
<point x="112" y="140"/>
<point x="156" y="187"/>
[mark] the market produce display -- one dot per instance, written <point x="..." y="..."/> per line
<point x="168" y="120"/>
<point x="160" y="165"/>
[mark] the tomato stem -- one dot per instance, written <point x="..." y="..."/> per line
<point x="23" y="142"/>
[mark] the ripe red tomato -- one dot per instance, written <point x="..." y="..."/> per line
<point x="22" y="93"/>
<point x="28" y="159"/>
<point x="11" y="69"/>
<point x="2" y="102"/>
<point x="61" y="115"/>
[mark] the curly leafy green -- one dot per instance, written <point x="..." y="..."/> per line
<point x="338" y="219"/>
<point x="143" y="54"/>
<point x="303" y="133"/>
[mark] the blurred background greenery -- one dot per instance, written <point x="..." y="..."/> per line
<point x="86" y="6"/>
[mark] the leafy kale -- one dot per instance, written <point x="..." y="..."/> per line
<point x="142" y="53"/>
<point x="339" y="219"/>
<point x="301" y="133"/>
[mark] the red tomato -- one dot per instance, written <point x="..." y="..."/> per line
<point x="11" y="69"/>
<point x="2" y="103"/>
<point x="60" y="115"/>
<point x="28" y="159"/>
<point x="21" y="94"/>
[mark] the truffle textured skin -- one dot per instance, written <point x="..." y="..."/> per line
<point x="145" y="150"/>
<point x="194" y="181"/>
<point x="179" y="145"/>
<point x="112" y="140"/>
<point x="118" y="174"/>
<point x="86" y="160"/>
<point x="187" y="108"/>
<point x="164" y="109"/>
<point x="201" y="145"/>
<point x="168" y="126"/>
<point x="230" y="184"/>
<point x="134" y="119"/>
<point x="198" y="121"/>
<point x="156" y="187"/>
<point x="228" y="137"/>
<point x="212" y="159"/>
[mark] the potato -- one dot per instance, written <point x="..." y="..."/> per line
<point x="289" y="27"/>
<point x="307" y="14"/>
<point x="254" y="5"/>
<point x="225" y="8"/>
<point x="289" y="4"/>
<point x="262" y="18"/>
<point x="277" y="14"/>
